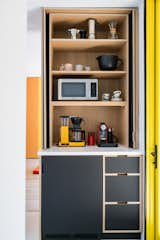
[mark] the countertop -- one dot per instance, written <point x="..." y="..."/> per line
<point x="89" y="150"/>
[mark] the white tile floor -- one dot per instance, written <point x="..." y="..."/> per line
<point x="32" y="201"/>
<point x="32" y="226"/>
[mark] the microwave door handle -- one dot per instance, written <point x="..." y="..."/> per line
<point x="88" y="90"/>
<point x="60" y="89"/>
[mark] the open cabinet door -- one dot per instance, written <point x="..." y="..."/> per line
<point x="152" y="120"/>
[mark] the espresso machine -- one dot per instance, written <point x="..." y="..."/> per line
<point x="105" y="136"/>
<point x="71" y="136"/>
<point x="102" y="134"/>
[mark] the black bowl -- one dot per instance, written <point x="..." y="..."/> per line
<point x="109" y="62"/>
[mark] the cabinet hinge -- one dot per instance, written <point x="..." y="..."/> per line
<point x="154" y="154"/>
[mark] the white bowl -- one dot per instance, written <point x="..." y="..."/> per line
<point x="78" y="67"/>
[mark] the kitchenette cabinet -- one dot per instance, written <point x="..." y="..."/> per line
<point x="92" y="197"/>
<point x="91" y="192"/>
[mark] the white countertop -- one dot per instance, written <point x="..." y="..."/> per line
<point x="89" y="150"/>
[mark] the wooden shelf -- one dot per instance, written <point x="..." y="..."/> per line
<point x="98" y="74"/>
<point x="102" y="16"/>
<point x="84" y="44"/>
<point x="88" y="104"/>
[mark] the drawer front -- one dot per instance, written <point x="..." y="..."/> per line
<point x="122" y="188"/>
<point x="122" y="165"/>
<point x="122" y="217"/>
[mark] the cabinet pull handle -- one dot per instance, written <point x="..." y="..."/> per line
<point x="122" y="203"/>
<point x="122" y="174"/>
<point x="123" y="156"/>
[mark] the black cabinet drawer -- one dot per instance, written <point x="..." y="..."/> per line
<point x="122" y="217"/>
<point x="122" y="188"/>
<point x="122" y="164"/>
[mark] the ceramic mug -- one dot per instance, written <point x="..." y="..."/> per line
<point x="78" y="67"/>
<point x="83" y="33"/>
<point x="73" y="32"/>
<point x="68" y="67"/>
<point x="117" y="94"/>
<point x="105" y="96"/>
<point x="91" y="139"/>
<point x="87" y="68"/>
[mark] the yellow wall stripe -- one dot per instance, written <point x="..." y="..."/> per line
<point x="157" y="118"/>
<point x="150" y="119"/>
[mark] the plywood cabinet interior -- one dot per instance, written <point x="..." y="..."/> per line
<point x="59" y="49"/>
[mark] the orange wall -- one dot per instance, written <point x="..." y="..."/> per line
<point x="33" y="121"/>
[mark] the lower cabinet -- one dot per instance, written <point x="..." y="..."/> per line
<point x="91" y="197"/>
<point x="71" y="196"/>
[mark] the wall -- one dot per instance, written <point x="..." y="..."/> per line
<point x="12" y="119"/>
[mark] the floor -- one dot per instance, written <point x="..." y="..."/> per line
<point x="32" y="201"/>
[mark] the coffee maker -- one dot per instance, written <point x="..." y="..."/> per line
<point x="102" y="134"/>
<point x="105" y="136"/>
<point x="71" y="136"/>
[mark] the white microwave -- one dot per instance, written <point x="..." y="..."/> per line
<point x="77" y="89"/>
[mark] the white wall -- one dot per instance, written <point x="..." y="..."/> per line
<point x="12" y="119"/>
